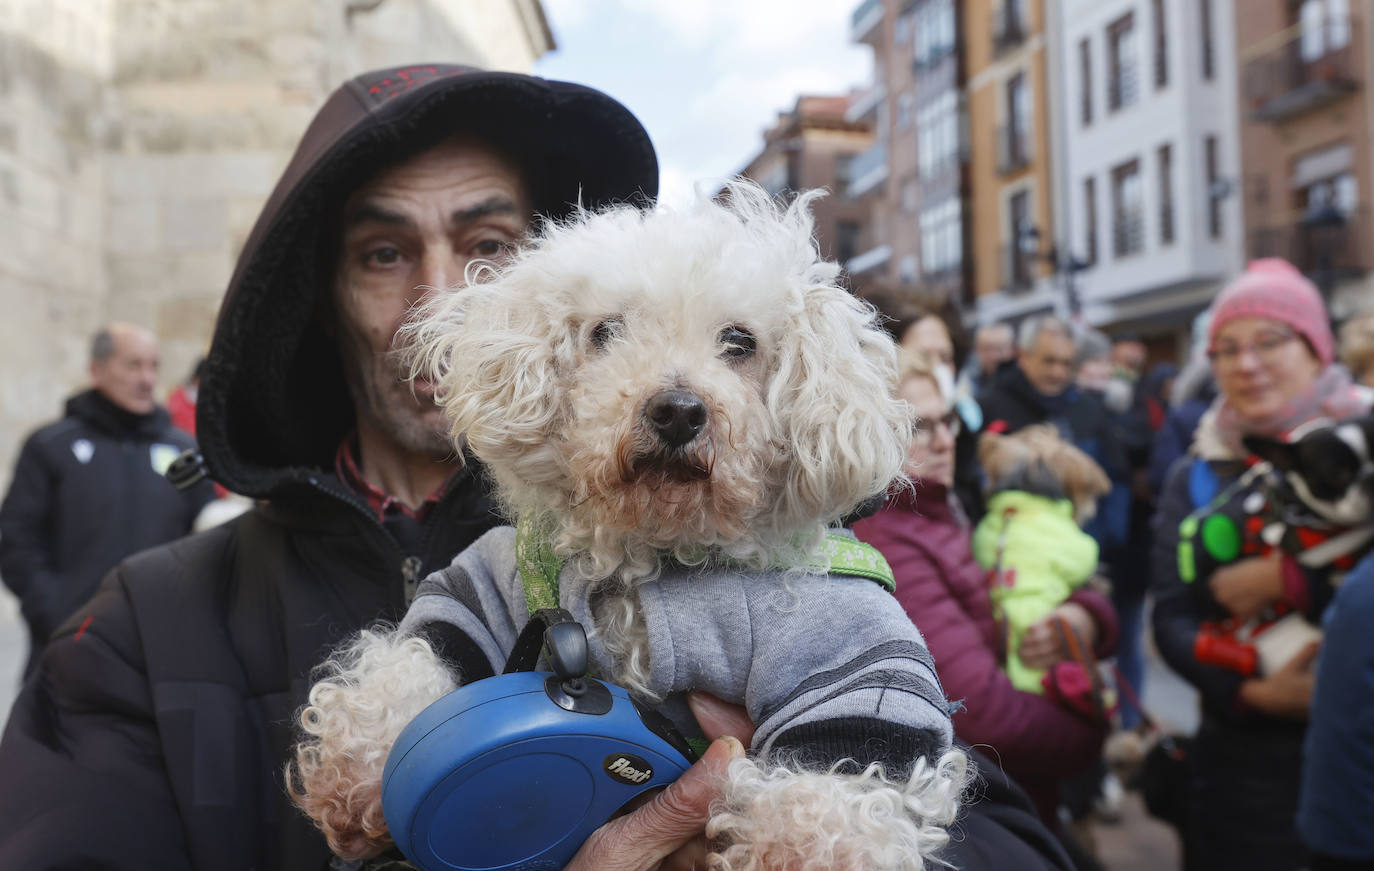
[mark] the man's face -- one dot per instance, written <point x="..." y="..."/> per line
<point x="994" y="347"/>
<point x="1049" y="363"/>
<point x="128" y="377"/>
<point x="409" y="232"/>
<point x="1130" y="355"/>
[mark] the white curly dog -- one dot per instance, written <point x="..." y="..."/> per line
<point x="681" y="405"/>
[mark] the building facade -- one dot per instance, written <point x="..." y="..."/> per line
<point x="913" y="180"/>
<point x="1305" y="108"/>
<point x="1147" y="170"/>
<point x="814" y="146"/>
<point x="1010" y="178"/>
<point x="139" y="138"/>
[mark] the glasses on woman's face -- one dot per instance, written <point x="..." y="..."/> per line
<point x="926" y="428"/>
<point x="1268" y="348"/>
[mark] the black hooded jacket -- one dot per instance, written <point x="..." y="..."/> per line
<point x="88" y="491"/>
<point x="155" y="731"/>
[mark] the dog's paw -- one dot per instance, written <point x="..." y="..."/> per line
<point x="363" y="697"/>
<point x="781" y="818"/>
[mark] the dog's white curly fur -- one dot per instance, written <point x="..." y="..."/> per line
<point x="363" y="696"/>
<point x="781" y="817"/>
<point x="544" y="366"/>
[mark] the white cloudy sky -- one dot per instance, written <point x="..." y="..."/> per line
<point x="706" y="77"/>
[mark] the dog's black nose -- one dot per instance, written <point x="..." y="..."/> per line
<point x="677" y="415"/>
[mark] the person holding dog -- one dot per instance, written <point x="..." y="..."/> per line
<point x="157" y="728"/>
<point x="1271" y="349"/>
<point x="927" y="541"/>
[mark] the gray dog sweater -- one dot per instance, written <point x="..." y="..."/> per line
<point x="829" y="667"/>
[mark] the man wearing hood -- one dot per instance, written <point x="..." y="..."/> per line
<point x="162" y="714"/>
<point x="89" y="489"/>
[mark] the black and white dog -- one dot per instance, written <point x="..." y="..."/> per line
<point x="1329" y="472"/>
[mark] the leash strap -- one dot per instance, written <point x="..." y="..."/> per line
<point x="1084" y="657"/>
<point x="539" y="565"/>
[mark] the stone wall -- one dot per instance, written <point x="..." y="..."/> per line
<point x="139" y="138"/>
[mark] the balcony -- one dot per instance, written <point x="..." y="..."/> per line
<point x="1325" y="250"/>
<point x="866" y="20"/>
<point x="1313" y="69"/>
<point x="1018" y="268"/>
<point x="867" y="170"/>
<point x="867" y="103"/>
<point x="1013" y="149"/>
<point x="1008" y="28"/>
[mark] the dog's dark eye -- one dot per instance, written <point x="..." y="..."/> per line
<point x="738" y="343"/>
<point x="605" y="331"/>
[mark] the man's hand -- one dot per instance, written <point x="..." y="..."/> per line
<point x="1288" y="691"/>
<point x="670" y="831"/>
<point x="1043" y="645"/>
<point x="1246" y="588"/>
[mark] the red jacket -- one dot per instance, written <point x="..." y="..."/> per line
<point x="943" y="590"/>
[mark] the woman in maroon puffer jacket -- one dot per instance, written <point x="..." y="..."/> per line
<point x="926" y="541"/>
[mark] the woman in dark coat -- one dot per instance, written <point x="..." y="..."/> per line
<point x="1270" y="345"/>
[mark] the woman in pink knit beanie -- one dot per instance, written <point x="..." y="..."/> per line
<point x="1271" y="349"/>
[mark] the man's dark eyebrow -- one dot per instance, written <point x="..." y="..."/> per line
<point x="366" y="212"/>
<point x="497" y="205"/>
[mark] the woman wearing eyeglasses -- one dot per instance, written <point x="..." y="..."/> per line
<point x="926" y="539"/>
<point x="1271" y="348"/>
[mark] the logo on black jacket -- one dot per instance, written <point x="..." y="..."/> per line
<point x="627" y="768"/>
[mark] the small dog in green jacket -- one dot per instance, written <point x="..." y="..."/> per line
<point x="1041" y="490"/>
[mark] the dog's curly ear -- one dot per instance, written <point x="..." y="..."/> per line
<point x="490" y="351"/>
<point x="834" y="401"/>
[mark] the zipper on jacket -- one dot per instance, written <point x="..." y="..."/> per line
<point x="410" y="573"/>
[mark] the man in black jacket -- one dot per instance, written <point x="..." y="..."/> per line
<point x="155" y="732"/>
<point x="89" y="489"/>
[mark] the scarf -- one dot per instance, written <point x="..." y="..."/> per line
<point x="1333" y="396"/>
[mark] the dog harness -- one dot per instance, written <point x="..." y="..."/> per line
<point x="539" y="565"/>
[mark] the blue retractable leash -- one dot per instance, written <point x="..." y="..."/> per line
<point x="517" y="770"/>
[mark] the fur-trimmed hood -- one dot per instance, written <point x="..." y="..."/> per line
<point x="273" y="405"/>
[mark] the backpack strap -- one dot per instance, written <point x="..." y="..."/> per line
<point x="539" y="565"/>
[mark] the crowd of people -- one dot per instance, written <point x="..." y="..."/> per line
<point x="1055" y="476"/>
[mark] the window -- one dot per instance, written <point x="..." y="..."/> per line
<point x="907" y="268"/>
<point x="1090" y="218"/>
<point x="1021" y="249"/>
<point x="1166" y="195"/>
<point x="934" y="27"/>
<point x="1017" y="138"/>
<point x="846" y="240"/>
<point x="1213" y="189"/>
<point x="937" y="135"/>
<point x="1122" y="63"/>
<point x="1127" y="217"/>
<point x="1161" y="44"/>
<point x="1324" y="178"/>
<point x="942" y="237"/>
<point x="1085" y="84"/>
<point x="902" y="31"/>
<point x="1205" y="12"/>
<point x="1325" y="27"/>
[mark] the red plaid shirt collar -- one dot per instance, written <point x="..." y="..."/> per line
<point x="346" y="467"/>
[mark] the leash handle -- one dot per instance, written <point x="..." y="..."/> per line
<point x="564" y="637"/>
